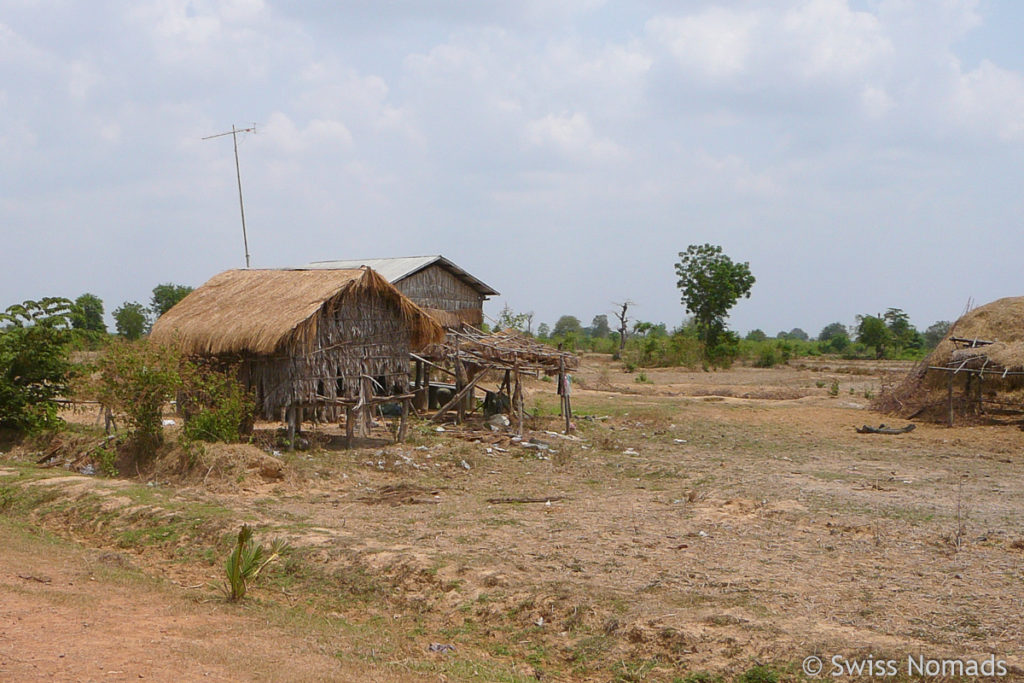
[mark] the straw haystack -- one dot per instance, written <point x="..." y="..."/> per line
<point x="302" y="337"/>
<point x="977" y="368"/>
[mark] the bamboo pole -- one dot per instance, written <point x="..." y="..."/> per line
<point x="949" y="398"/>
<point x="291" y="428"/>
<point x="349" y="426"/>
<point x="403" y="423"/>
<point x="517" y="397"/>
<point x="460" y="384"/>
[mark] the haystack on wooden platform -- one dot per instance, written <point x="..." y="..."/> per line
<point x="450" y="294"/>
<point x="978" y="368"/>
<point x="304" y="338"/>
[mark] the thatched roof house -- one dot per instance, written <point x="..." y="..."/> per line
<point x="450" y="294"/>
<point x="980" y="361"/>
<point x="302" y="337"/>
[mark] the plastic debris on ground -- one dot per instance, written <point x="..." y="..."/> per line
<point x="441" y="647"/>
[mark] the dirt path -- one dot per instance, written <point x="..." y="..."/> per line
<point x="67" y="614"/>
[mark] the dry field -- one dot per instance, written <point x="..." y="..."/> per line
<point x="696" y="522"/>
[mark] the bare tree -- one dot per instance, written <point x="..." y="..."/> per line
<point x="621" y="314"/>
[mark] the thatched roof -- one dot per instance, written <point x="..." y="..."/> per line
<point x="264" y="311"/>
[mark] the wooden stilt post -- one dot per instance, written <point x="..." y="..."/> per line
<point x="365" y="415"/>
<point x="568" y="413"/>
<point x="561" y="383"/>
<point x="403" y="424"/>
<point x="981" y="396"/>
<point x="349" y="426"/>
<point x="291" y="428"/>
<point x="460" y="383"/>
<point x="949" y="398"/>
<point x="517" y="396"/>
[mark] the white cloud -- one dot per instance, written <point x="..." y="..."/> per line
<point x="572" y="135"/>
<point x="82" y="77"/>
<point x="814" y="39"/>
<point x="828" y="39"/>
<point x="716" y="43"/>
<point x="990" y="99"/>
<point x="282" y="135"/>
<point x="875" y="102"/>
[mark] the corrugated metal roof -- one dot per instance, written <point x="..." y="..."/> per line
<point x="395" y="269"/>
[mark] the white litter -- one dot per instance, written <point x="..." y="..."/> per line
<point x="168" y="423"/>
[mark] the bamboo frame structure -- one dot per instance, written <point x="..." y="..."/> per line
<point x="471" y="352"/>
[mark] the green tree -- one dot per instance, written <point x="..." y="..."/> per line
<point x="599" y="328"/>
<point x="903" y="334"/>
<point x="756" y="336"/>
<point x="711" y="284"/>
<point x="798" y="334"/>
<point x="510" y="320"/>
<point x="543" y="331"/>
<point x="566" y="325"/>
<point x="872" y="331"/>
<point x="836" y="344"/>
<point x="131" y="320"/>
<point x="33" y="362"/>
<point x="87" y="314"/>
<point x="936" y="332"/>
<point x="165" y="296"/>
<point x="832" y="330"/>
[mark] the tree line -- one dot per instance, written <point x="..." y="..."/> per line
<point x="710" y="284"/>
<point x="131" y="319"/>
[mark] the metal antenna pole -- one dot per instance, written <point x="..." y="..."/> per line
<point x="238" y="174"/>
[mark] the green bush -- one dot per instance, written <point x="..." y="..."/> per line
<point x="215" y="404"/>
<point x="758" y="674"/>
<point x="766" y="357"/>
<point x="136" y="380"/>
<point x="34" y="364"/>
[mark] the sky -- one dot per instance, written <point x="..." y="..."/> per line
<point x="859" y="154"/>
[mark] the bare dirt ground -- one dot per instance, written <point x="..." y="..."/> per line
<point x="694" y="522"/>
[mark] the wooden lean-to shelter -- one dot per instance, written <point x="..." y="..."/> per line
<point x="976" y="370"/>
<point x="305" y="339"/>
<point x="451" y="295"/>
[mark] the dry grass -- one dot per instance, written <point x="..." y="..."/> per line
<point x="691" y="535"/>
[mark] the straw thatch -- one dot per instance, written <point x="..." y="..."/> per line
<point x="265" y="311"/>
<point x="979" y="355"/>
<point x="303" y="337"/>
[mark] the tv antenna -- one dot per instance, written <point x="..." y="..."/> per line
<point x="238" y="174"/>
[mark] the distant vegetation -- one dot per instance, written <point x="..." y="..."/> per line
<point x="886" y="336"/>
<point x="710" y="284"/>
